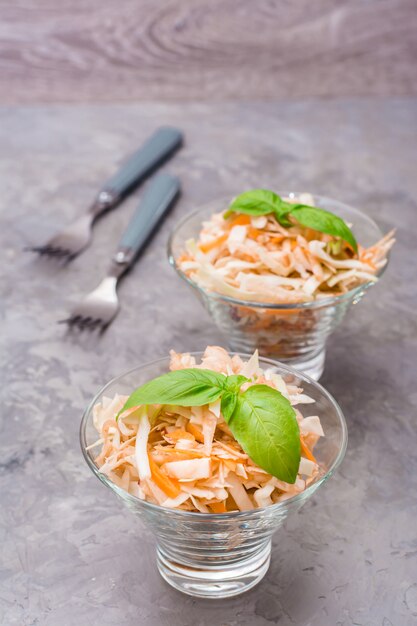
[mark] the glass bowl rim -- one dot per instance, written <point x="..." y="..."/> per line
<point x="215" y="516"/>
<point x="314" y="304"/>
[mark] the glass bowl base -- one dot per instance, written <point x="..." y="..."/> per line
<point x="313" y="366"/>
<point x="215" y="582"/>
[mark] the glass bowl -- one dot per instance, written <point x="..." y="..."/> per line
<point x="295" y="334"/>
<point x="218" y="555"/>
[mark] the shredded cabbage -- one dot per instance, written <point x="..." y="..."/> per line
<point x="189" y="459"/>
<point x="257" y="259"/>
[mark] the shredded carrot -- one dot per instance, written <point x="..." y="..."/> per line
<point x="184" y="257"/>
<point x="240" y="220"/>
<point x="194" y="430"/>
<point x="176" y="454"/>
<point x="154" y="436"/>
<point x="248" y="257"/>
<point x="210" y="245"/>
<point x="368" y="262"/>
<point x="276" y="239"/>
<point x="311" y="234"/>
<point x="253" y="233"/>
<point x="218" y="507"/>
<point x="305" y="450"/>
<point x="231" y="465"/>
<point x="168" y="485"/>
<point x="180" y="434"/>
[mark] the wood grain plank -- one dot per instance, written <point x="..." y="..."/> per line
<point x="90" y="50"/>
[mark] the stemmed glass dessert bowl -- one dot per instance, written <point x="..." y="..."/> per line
<point x="218" y="555"/>
<point x="294" y="334"/>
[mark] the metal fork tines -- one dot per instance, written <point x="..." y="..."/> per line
<point x="72" y="240"/>
<point x="98" y="309"/>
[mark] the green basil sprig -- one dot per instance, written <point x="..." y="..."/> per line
<point x="262" y="202"/>
<point x="187" y="387"/>
<point x="261" y="419"/>
<point x="265" y="425"/>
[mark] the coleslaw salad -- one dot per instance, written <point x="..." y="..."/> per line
<point x="186" y="458"/>
<point x="255" y="259"/>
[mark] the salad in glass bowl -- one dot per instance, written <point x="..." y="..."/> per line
<point x="278" y="272"/>
<point x="213" y="450"/>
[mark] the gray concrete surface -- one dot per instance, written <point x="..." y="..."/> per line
<point x="71" y="554"/>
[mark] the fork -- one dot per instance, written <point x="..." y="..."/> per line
<point x="99" y="307"/>
<point x="75" y="238"/>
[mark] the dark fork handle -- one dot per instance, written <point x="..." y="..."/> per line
<point x="159" y="198"/>
<point x="154" y="152"/>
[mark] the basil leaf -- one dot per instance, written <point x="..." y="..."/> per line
<point x="324" y="222"/>
<point x="230" y="394"/>
<point x="281" y="214"/>
<point x="265" y="425"/>
<point x="188" y="387"/>
<point x="283" y="219"/>
<point x="262" y="202"/>
<point x="256" y="202"/>
<point x="228" y="404"/>
<point x="261" y="419"/>
<point x="234" y="382"/>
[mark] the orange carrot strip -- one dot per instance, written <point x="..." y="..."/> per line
<point x="253" y="233"/>
<point x="240" y="220"/>
<point x="192" y="428"/>
<point x="206" y="247"/>
<point x="281" y="313"/>
<point x="175" y="454"/>
<point x="218" y="507"/>
<point x="180" y="434"/>
<point x="184" y="257"/>
<point x="168" y="485"/>
<point x="276" y="239"/>
<point x="155" y="436"/>
<point x="230" y="464"/>
<point x="305" y="450"/>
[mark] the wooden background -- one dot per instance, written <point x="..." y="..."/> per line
<point x="130" y="50"/>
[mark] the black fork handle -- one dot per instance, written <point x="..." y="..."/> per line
<point x="159" y="198"/>
<point x="157" y="149"/>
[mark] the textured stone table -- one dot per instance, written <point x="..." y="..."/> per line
<point x="71" y="554"/>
